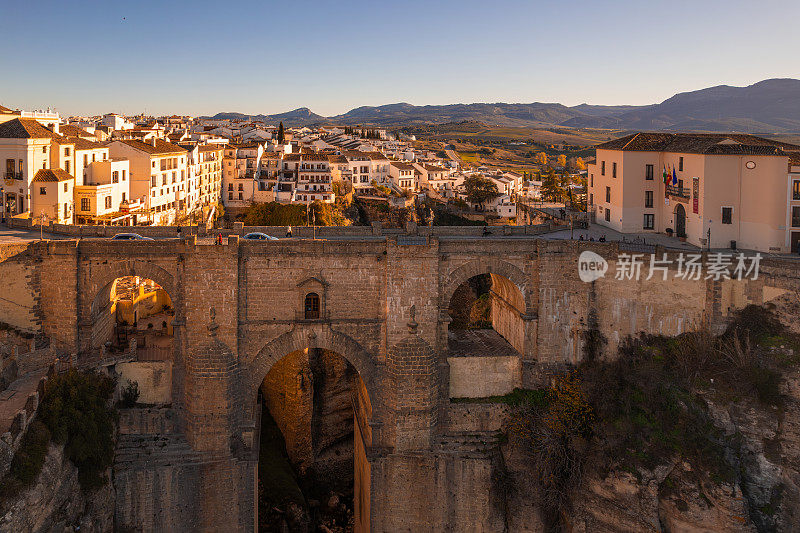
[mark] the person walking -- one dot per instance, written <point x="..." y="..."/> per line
<point x="219" y="238"/>
<point x="288" y="232"/>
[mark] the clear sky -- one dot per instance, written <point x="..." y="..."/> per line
<point x="199" y="57"/>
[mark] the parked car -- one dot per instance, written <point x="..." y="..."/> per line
<point x="130" y="237"/>
<point x="257" y="236"/>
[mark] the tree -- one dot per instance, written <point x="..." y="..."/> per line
<point x="480" y="189"/>
<point x="281" y="134"/>
<point x="580" y="164"/>
<point x="550" y="188"/>
<point x="541" y="158"/>
<point x="562" y="160"/>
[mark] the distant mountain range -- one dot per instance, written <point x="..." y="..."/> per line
<point x="769" y="106"/>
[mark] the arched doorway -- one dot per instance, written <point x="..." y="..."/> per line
<point x="680" y="220"/>
<point x="313" y="409"/>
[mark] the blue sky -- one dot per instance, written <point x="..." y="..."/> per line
<point x="202" y="57"/>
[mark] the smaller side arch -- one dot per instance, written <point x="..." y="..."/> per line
<point x="477" y="267"/>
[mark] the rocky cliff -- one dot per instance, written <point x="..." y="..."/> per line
<point x="56" y="502"/>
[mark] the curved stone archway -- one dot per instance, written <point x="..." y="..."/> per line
<point x="101" y="277"/>
<point x="477" y="267"/>
<point x="97" y="284"/>
<point x="303" y="336"/>
<point x="366" y="397"/>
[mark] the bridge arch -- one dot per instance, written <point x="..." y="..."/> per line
<point x="476" y="267"/>
<point x="95" y="295"/>
<point x="303" y="336"/>
<point x="364" y="401"/>
<point x="100" y="278"/>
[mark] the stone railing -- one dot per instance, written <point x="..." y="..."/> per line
<point x="18" y="406"/>
<point x="303" y="232"/>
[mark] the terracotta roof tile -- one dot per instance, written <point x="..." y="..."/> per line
<point x="52" y="175"/>
<point x="698" y="143"/>
<point x="24" y="128"/>
<point x="161" y="146"/>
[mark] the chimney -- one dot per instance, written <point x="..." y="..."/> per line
<point x="153" y="140"/>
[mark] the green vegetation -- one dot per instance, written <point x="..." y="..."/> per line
<point x="515" y="398"/>
<point x="74" y="412"/>
<point x="443" y="218"/>
<point x="276" y="214"/>
<point x="648" y="406"/>
<point x="130" y="394"/>
<point x="480" y="190"/>
<point x="27" y="462"/>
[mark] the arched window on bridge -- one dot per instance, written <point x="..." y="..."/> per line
<point x="312" y="306"/>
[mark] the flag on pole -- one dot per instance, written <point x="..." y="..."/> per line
<point x="674" y="177"/>
<point x="664" y="174"/>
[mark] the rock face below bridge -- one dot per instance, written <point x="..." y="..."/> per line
<point x="309" y="395"/>
<point x="56" y="503"/>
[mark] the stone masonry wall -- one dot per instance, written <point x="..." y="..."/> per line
<point x="238" y="311"/>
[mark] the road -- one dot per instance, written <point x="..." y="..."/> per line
<point x="24" y="235"/>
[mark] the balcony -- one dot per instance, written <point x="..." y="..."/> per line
<point x="680" y="193"/>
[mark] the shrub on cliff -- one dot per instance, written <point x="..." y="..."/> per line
<point x="76" y="410"/>
<point x="27" y="462"/>
<point x="555" y="433"/>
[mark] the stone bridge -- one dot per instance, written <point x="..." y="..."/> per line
<point x="385" y="306"/>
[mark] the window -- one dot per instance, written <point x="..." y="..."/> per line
<point x="608" y="194"/>
<point x="796" y="190"/>
<point x="108" y="202"/>
<point x="123" y="174"/>
<point x="727" y="215"/>
<point x="230" y="186"/>
<point x="66" y="186"/>
<point x="680" y="164"/>
<point x="591" y="199"/>
<point x="153" y="181"/>
<point x="649" y="221"/>
<point x="115" y="177"/>
<point x="123" y="197"/>
<point x="648" y="172"/>
<point x="241" y="187"/>
<point x="66" y="151"/>
<point x="602" y="168"/>
<point x="608" y="215"/>
<point x="312" y="306"/>
<point x="85" y="204"/>
<point x="10" y="166"/>
<point x="44" y="149"/>
<point x="43" y="190"/>
<point x="648" y="198"/>
<point x="591" y="180"/>
<point x="67" y="167"/>
<point x="241" y="197"/>
<point x="614" y="170"/>
<point x="230" y="196"/>
<point x="85" y="159"/>
<point x="796" y="217"/>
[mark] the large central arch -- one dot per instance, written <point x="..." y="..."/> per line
<point x="367" y="399"/>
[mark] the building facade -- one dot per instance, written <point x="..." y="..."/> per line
<point x="717" y="190"/>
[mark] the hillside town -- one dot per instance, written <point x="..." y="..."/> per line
<point x="115" y="170"/>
